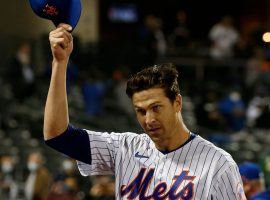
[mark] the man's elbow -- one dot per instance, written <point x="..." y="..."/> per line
<point x="49" y="133"/>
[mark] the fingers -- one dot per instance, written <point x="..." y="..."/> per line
<point x="61" y="36"/>
<point x="65" y="26"/>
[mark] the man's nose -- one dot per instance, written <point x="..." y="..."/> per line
<point x="150" y="118"/>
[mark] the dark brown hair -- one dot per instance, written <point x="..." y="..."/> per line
<point x="158" y="76"/>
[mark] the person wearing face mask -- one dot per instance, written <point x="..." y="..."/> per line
<point x="21" y="76"/>
<point x="8" y="184"/>
<point x="233" y="110"/>
<point x="66" y="171"/>
<point x="38" y="181"/>
<point x="66" y="182"/>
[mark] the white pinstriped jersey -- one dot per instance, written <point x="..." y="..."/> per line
<point x="197" y="170"/>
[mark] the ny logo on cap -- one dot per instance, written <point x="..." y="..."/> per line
<point x="50" y="10"/>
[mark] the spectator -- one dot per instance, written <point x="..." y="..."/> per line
<point x="253" y="181"/>
<point x="224" y="37"/>
<point x="153" y="40"/>
<point x="65" y="185"/>
<point x="8" y="183"/>
<point x="232" y="108"/>
<point x="208" y="107"/>
<point x="39" y="178"/>
<point x="103" y="188"/>
<point x="93" y="91"/>
<point x="20" y="73"/>
<point x="180" y="35"/>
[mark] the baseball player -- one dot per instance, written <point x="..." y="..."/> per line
<point x="168" y="161"/>
<point x="253" y="181"/>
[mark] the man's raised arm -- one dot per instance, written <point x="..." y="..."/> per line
<point x="56" y="117"/>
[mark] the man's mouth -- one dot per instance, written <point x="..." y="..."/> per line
<point x="153" y="130"/>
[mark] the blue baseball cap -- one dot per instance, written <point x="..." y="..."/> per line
<point x="59" y="11"/>
<point x="250" y="171"/>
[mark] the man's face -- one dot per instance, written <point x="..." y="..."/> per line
<point x="157" y="115"/>
<point x="7" y="164"/>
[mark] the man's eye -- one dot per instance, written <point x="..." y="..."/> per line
<point x="156" y="107"/>
<point x="140" y="111"/>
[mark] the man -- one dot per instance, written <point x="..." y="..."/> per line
<point x="168" y="162"/>
<point x="38" y="181"/>
<point x="102" y="188"/>
<point x="8" y="180"/>
<point x="253" y="181"/>
<point x="21" y="74"/>
<point x="224" y="37"/>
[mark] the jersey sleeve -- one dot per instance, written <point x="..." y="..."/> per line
<point x="74" y="142"/>
<point x="229" y="185"/>
<point x="103" y="147"/>
<point x="95" y="152"/>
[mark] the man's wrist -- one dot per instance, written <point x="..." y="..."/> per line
<point x="60" y="62"/>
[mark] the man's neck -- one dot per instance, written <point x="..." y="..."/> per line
<point x="173" y="143"/>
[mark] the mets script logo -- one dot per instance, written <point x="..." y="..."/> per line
<point x="50" y="10"/>
<point x="138" y="188"/>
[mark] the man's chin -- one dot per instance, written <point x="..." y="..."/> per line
<point x="155" y="136"/>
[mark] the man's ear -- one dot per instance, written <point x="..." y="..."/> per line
<point x="178" y="103"/>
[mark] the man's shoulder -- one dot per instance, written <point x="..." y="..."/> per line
<point x="221" y="153"/>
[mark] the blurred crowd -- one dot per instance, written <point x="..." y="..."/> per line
<point x="37" y="182"/>
<point x="229" y="102"/>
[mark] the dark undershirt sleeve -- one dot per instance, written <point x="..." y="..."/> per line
<point x="74" y="142"/>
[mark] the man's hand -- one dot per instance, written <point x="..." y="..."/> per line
<point x="61" y="42"/>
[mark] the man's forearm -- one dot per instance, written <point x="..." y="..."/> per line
<point x="56" y="109"/>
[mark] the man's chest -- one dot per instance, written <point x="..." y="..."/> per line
<point x="151" y="175"/>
